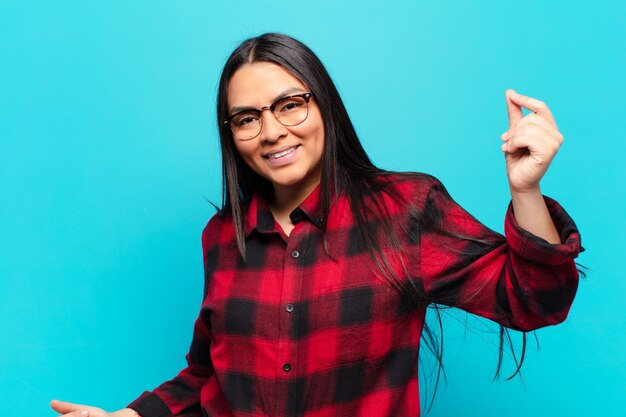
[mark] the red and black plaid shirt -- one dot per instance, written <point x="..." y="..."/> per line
<point x="294" y="332"/>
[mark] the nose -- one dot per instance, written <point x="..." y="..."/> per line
<point x="271" y="129"/>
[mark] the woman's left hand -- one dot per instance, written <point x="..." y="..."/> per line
<point x="531" y="142"/>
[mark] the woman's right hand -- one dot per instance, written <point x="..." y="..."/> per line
<point x="77" y="410"/>
<point x="80" y="410"/>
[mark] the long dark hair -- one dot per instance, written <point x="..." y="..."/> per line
<point x="346" y="167"/>
<point x="343" y="159"/>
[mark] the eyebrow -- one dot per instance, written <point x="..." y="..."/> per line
<point x="278" y="97"/>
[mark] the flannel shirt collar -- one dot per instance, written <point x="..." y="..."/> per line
<point x="259" y="216"/>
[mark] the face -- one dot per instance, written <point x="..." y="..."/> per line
<point x="288" y="156"/>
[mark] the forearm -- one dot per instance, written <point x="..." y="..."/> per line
<point x="531" y="214"/>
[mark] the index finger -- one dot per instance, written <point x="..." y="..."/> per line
<point x="534" y="105"/>
<point x="65" y="407"/>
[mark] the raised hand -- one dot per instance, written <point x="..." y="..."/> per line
<point x="531" y="142"/>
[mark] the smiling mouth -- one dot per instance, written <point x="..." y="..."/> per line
<point x="281" y="153"/>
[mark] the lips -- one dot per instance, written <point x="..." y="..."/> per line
<point x="281" y="157"/>
<point x="281" y="153"/>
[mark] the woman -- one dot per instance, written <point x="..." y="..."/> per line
<point x="320" y="266"/>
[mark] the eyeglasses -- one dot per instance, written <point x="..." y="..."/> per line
<point x="289" y="111"/>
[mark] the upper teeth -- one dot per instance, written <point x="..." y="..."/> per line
<point x="282" y="153"/>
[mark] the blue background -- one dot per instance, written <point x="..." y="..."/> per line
<point x="109" y="152"/>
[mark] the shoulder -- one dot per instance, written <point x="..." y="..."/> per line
<point x="412" y="186"/>
<point x="218" y="231"/>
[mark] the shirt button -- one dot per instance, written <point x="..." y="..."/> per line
<point x="289" y="308"/>
<point x="295" y="254"/>
<point x="286" y="367"/>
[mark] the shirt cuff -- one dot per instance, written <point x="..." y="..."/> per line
<point x="535" y="248"/>
<point x="150" y="405"/>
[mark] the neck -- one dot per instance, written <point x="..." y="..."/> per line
<point x="286" y="199"/>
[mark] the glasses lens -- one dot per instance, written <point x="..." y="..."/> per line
<point x="291" y="111"/>
<point x="246" y="125"/>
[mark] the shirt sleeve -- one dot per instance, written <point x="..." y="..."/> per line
<point x="520" y="281"/>
<point x="180" y="396"/>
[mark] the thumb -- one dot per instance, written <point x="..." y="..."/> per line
<point x="514" y="110"/>
<point x="65" y="407"/>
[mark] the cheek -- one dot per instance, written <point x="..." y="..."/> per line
<point x="315" y="130"/>
<point x="246" y="153"/>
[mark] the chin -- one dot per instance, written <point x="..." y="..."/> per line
<point x="291" y="180"/>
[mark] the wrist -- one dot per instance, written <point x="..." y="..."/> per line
<point x="531" y="194"/>
<point x="125" y="412"/>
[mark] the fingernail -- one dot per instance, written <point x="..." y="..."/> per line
<point x="84" y="413"/>
<point x="514" y="96"/>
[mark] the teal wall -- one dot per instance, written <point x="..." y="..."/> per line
<point x="108" y="154"/>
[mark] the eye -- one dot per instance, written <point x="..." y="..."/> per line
<point x="290" y="104"/>
<point x="245" y="119"/>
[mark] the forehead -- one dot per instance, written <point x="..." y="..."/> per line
<point x="257" y="84"/>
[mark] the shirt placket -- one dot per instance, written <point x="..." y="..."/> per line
<point x="287" y="368"/>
